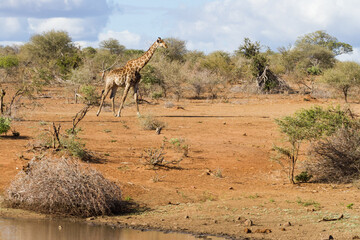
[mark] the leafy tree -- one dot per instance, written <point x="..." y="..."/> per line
<point x="321" y="38"/>
<point x="176" y="49"/>
<point x="49" y="53"/>
<point x="9" y="61"/>
<point x="113" y="46"/>
<point x="218" y="62"/>
<point x="249" y="49"/>
<point x="308" y="125"/>
<point x="343" y="76"/>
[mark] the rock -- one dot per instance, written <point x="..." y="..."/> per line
<point x="231" y="188"/>
<point x="287" y="224"/>
<point x="266" y="230"/>
<point x="215" y="221"/>
<point x="283" y="229"/>
<point x="247" y="230"/>
<point x="90" y="218"/>
<point x="187" y="217"/>
<point x="248" y="223"/>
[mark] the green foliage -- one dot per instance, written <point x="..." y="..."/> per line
<point x="112" y="45"/>
<point x="350" y="206"/>
<point x="314" y="70"/>
<point x="89" y="93"/>
<point x="4" y="125"/>
<point x="321" y="38"/>
<point x="343" y="76"/>
<point x="249" y="49"/>
<point x="68" y="62"/>
<point x="52" y="52"/>
<point x="218" y="62"/>
<point x="74" y="146"/>
<point x="9" y="61"/>
<point x="303" y="177"/>
<point x="307" y="125"/>
<point x="176" y="49"/>
<point x="314" y="123"/>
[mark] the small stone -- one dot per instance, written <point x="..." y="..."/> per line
<point x="248" y="223"/>
<point x="288" y="224"/>
<point x="215" y="221"/>
<point x="283" y="229"/>
<point x="245" y="134"/>
<point x="231" y="188"/>
<point x="247" y="230"/>
<point x="266" y="230"/>
<point x="187" y="217"/>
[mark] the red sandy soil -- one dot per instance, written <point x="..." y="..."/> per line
<point x="232" y="138"/>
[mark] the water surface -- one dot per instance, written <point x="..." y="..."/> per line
<point x="14" y="229"/>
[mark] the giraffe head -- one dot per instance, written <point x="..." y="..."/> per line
<point x="161" y="43"/>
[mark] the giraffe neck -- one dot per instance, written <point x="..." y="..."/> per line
<point x="144" y="59"/>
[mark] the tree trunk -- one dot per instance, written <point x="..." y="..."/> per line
<point x="268" y="82"/>
<point x="2" y="94"/>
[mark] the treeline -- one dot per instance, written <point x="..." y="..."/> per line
<point x="52" y="57"/>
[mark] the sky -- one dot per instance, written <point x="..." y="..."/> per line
<point x="205" y="25"/>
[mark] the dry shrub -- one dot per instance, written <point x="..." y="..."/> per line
<point x="63" y="186"/>
<point x="149" y="122"/>
<point x="339" y="157"/>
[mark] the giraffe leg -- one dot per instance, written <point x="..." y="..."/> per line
<point x="112" y="97"/>
<point x="126" y="90"/>
<point x="103" y="96"/>
<point x="136" y="88"/>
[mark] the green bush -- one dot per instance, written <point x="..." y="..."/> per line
<point x="307" y="125"/>
<point x="9" y="61"/>
<point x="303" y="177"/>
<point x="89" y="94"/>
<point x="4" y="125"/>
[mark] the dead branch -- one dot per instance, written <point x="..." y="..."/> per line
<point x="2" y="94"/>
<point x="18" y="93"/>
<point x="56" y="137"/>
<point x="79" y="116"/>
<point x="325" y="219"/>
<point x="270" y="83"/>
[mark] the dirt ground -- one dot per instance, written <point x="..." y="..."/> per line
<point x="227" y="178"/>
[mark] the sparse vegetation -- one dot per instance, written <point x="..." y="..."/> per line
<point x="337" y="158"/>
<point x="5" y="125"/>
<point x="149" y="122"/>
<point x="63" y="186"/>
<point x="303" y="177"/>
<point x="307" y="125"/>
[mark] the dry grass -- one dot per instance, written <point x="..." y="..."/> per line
<point x="339" y="157"/>
<point x="63" y="186"/>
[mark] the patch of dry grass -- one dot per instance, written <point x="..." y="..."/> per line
<point x="62" y="186"/>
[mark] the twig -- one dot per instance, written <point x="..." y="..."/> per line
<point x="325" y="219"/>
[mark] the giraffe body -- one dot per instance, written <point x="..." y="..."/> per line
<point x="127" y="76"/>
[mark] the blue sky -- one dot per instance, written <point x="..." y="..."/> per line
<point x="205" y="25"/>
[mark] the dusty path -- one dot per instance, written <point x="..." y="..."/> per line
<point x="226" y="178"/>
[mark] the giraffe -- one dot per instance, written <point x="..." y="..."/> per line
<point x="127" y="76"/>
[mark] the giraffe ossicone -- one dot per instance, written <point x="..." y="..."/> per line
<point x="127" y="76"/>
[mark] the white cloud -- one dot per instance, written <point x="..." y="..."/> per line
<point x="275" y="23"/>
<point x="126" y="38"/>
<point x="82" y="19"/>
<point x="354" y="56"/>
<point x="75" y="27"/>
